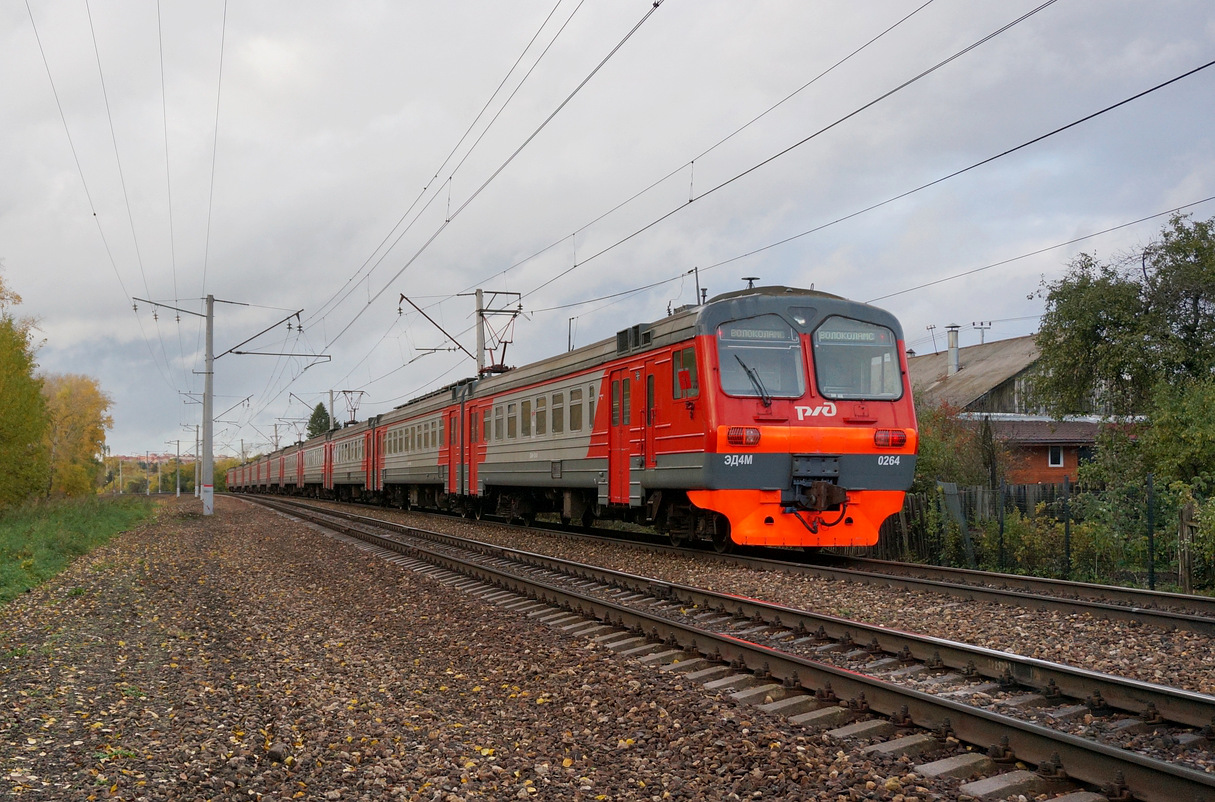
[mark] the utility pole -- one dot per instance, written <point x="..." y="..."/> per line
<point x="206" y="482"/>
<point x="208" y="465"/>
<point x="177" y="465"/>
<point x="982" y="326"/>
<point x="480" y="333"/>
<point x="197" y="456"/>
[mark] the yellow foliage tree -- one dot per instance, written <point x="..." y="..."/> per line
<point x="23" y="464"/>
<point x="79" y="417"/>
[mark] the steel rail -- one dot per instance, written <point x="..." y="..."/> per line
<point x="1141" y="598"/>
<point x="1088" y="761"/>
<point x="1197" y="613"/>
<point x="1130" y="695"/>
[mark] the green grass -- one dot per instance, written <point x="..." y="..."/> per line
<point x="39" y="540"/>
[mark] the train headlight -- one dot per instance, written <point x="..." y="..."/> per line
<point x="742" y="436"/>
<point x="889" y="438"/>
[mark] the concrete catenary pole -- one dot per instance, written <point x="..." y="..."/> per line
<point x="178" y="464"/>
<point x="208" y="465"/>
<point x="480" y="333"/>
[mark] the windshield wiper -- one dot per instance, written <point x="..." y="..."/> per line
<point x="756" y="382"/>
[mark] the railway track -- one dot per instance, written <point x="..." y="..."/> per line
<point x="1169" y="611"/>
<point x="1146" y="741"/>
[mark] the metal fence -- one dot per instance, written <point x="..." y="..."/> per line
<point x="1044" y="536"/>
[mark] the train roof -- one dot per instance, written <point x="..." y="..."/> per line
<point x="681" y="325"/>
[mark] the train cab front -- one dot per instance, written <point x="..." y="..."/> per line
<point x="813" y="435"/>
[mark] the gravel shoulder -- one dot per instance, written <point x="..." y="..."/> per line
<point x="243" y="656"/>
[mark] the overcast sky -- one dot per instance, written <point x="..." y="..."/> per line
<point x="330" y="157"/>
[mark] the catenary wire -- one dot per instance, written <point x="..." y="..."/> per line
<point x="792" y="147"/>
<point x="707" y="151"/>
<point x="89" y="197"/>
<point x="333" y="299"/>
<point x="122" y="180"/>
<point x="498" y="171"/>
<point x="891" y="199"/>
<point x="164" y="116"/>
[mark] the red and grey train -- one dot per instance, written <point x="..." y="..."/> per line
<point x="770" y="416"/>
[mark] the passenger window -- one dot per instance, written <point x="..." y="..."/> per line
<point x="684" y="380"/>
<point x="498" y="419"/>
<point x="559" y="412"/>
<point x="541" y="415"/>
<point x="512" y="421"/>
<point x="575" y="410"/>
<point x="525" y="418"/>
<point x="626" y="402"/>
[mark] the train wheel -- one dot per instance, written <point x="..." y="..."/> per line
<point x="722" y="543"/>
<point x="678" y="538"/>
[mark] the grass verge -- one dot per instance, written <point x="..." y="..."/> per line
<point x="40" y="539"/>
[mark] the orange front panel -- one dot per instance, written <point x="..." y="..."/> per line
<point x="757" y="518"/>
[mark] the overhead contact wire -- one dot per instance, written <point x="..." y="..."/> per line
<point x="498" y="172"/>
<point x="89" y="195"/>
<point x="333" y="299"/>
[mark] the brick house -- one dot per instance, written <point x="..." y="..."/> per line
<point x="989" y="382"/>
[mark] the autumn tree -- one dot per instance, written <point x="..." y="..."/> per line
<point x="78" y="416"/>
<point x="953" y="450"/>
<point x="1117" y="334"/>
<point x="22" y="410"/>
<point x="318" y="424"/>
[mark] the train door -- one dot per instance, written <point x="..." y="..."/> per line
<point x="455" y="441"/>
<point x="327" y="468"/>
<point x="649" y="414"/>
<point x="378" y="465"/>
<point x="369" y="460"/>
<point x="620" y="435"/>
<point x="476" y="439"/>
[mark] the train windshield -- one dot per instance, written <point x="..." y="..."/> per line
<point x="856" y="360"/>
<point x="760" y="357"/>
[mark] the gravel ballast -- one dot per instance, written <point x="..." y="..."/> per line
<point x="1127" y="649"/>
<point x="244" y="656"/>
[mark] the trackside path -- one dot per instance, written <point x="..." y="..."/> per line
<point x="245" y="657"/>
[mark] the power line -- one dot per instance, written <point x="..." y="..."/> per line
<point x="356" y="277"/>
<point x="893" y="198"/>
<point x="89" y="195"/>
<point x="963" y="274"/>
<point x="498" y="171"/>
<point x="164" y="116"/>
<point x="1039" y="251"/>
<point x="795" y="145"/>
<point x="706" y="152"/>
<point x="219" y="87"/>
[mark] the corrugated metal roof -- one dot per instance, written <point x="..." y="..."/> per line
<point x="981" y="369"/>
<point x="1046" y="432"/>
